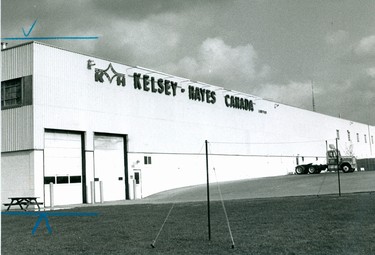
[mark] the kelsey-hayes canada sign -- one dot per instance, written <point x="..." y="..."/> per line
<point x="167" y="87"/>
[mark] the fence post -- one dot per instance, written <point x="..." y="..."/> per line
<point x="338" y="167"/>
<point x="208" y="194"/>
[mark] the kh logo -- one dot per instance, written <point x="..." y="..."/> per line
<point x="99" y="73"/>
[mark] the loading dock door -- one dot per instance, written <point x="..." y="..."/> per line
<point x="63" y="167"/>
<point x="109" y="167"/>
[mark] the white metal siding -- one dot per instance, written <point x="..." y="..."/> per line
<point x="17" y="62"/>
<point x="17" y="178"/>
<point x="17" y="123"/>
<point x="17" y="129"/>
<point x="60" y="91"/>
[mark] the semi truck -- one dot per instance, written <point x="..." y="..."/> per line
<point x="347" y="164"/>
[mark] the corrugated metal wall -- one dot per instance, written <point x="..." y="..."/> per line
<point x="17" y="62"/>
<point x="17" y="129"/>
<point x="17" y="123"/>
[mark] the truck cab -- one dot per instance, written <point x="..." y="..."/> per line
<point x="334" y="160"/>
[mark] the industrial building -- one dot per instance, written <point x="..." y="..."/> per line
<point x="75" y="122"/>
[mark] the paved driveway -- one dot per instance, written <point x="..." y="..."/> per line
<point x="280" y="186"/>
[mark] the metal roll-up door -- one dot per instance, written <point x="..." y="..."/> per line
<point x="109" y="167"/>
<point x="63" y="167"/>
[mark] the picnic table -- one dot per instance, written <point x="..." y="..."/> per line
<point x="22" y="201"/>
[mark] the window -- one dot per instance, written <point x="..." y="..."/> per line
<point x="147" y="160"/>
<point x="357" y="137"/>
<point x="337" y="134"/>
<point x="16" y="92"/>
<point x="75" y="179"/>
<point x="11" y="93"/>
<point x="62" y="179"/>
<point x="349" y="136"/>
<point x="49" y="179"/>
<point x="137" y="177"/>
<point x="365" y="139"/>
<point x="372" y="139"/>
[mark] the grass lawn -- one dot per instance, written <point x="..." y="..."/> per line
<point x="291" y="225"/>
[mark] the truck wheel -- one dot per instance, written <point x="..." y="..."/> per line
<point x="312" y="170"/>
<point x="346" y="168"/>
<point x="300" y="170"/>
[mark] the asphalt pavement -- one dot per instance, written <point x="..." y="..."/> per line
<point x="279" y="186"/>
<point x="325" y="183"/>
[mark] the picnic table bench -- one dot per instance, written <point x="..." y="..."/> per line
<point x="22" y="201"/>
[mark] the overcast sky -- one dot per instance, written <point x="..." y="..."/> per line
<point x="274" y="49"/>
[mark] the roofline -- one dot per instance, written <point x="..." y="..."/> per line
<point x="18" y="45"/>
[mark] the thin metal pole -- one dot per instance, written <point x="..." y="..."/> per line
<point x="326" y="150"/>
<point x="208" y="194"/>
<point x="338" y="170"/>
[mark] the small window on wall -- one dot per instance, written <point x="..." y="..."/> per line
<point x="372" y="139"/>
<point x="16" y="92"/>
<point x="357" y="137"/>
<point x="337" y="134"/>
<point x="136" y="177"/>
<point x="365" y="139"/>
<point x="11" y="93"/>
<point x="147" y="160"/>
<point x="75" y="179"/>
<point x="62" y="179"/>
<point x="49" y="179"/>
<point x="349" y="139"/>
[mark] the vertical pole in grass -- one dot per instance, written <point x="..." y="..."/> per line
<point x="208" y="194"/>
<point x="338" y="163"/>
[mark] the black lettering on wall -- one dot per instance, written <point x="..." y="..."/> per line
<point x="137" y="82"/>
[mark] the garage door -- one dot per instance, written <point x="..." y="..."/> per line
<point x="63" y="167"/>
<point x="109" y="167"/>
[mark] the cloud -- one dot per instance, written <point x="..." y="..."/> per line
<point x="371" y="72"/>
<point x="218" y="63"/>
<point x="149" y="37"/>
<point x="366" y="46"/>
<point x="336" y="37"/>
<point x="351" y="99"/>
<point x="265" y="71"/>
<point x="297" y="94"/>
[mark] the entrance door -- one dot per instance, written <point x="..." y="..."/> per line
<point x="137" y="184"/>
<point x="109" y="167"/>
